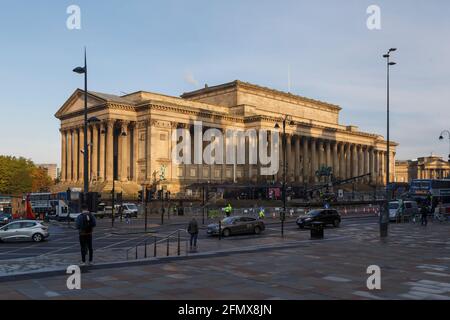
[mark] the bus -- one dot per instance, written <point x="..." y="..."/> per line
<point x="58" y="206"/>
<point x="430" y="192"/>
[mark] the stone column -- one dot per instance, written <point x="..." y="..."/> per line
<point x="335" y="160"/>
<point x="124" y="152"/>
<point x="94" y="152"/>
<point x="371" y="165"/>
<point x="313" y="160"/>
<point x="102" y="148"/>
<point x="321" y="154"/>
<point x="135" y="153"/>
<point x="383" y="167"/>
<point x="329" y="161"/>
<point x="348" y="161"/>
<point x="289" y="159"/>
<point x="89" y="140"/>
<point x="281" y="156"/>
<point x="342" y="166"/>
<point x="305" y="160"/>
<point x="109" y="163"/>
<point x="76" y="155"/>
<point x="69" y="156"/>
<point x="360" y="152"/>
<point x="354" y="156"/>
<point x="81" y="154"/>
<point x="297" y="158"/>
<point x="63" y="155"/>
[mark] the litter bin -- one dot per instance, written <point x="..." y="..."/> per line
<point x="316" y="230"/>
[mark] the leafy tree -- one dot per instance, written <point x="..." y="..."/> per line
<point x="20" y="175"/>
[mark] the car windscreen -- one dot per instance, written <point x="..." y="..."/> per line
<point x="131" y="206"/>
<point x="314" y="213"/>
<point x="228" y="220"/>
<point x="393" y="205"/>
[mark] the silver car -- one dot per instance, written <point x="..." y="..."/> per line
<point x="24" y="230"/>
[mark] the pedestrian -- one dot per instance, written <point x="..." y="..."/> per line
<point x="128" y="218"/>
<point x="85" y="224"/>
<point x="261" y="214"/>
<point x="424" y="214"/>
<point x="193" y="231"/>
<point x="228" y="210"/>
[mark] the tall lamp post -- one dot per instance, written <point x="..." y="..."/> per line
<point x="384" y="218"/>
<point x="441" y="137"/>
<point x="285" y="121"/>
<point x="84" y="70"/>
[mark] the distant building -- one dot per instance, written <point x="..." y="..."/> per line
<point x="431" y="167"/>
<point x="52" y="170"/>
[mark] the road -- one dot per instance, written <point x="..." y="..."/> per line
<point x="65" y="240"/>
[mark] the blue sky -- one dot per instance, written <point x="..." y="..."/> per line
<point x="176" y="46"/>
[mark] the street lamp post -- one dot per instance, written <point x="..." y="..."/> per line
<point x="285" y="120"/>
<point x="384" y="218"/>
<point x="84" y="70"/>
<point x="441" y="137"/>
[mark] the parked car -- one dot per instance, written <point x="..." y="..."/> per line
<point x="24" y="230"/>
<point x="408" y="208"/>
<point x="5" y="218"/>
<point x="237" y="225"/>
<point x="326" y="216"/>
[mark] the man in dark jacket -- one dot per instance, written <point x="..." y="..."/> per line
<point x="193" y="231"/>
<point x="85" y="224"/>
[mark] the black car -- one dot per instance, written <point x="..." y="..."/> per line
<point x="326" y="216"/>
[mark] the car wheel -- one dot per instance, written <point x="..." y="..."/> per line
<point x="257" y="230"/>
<point x="336" y="223"/>
<point x="37" y="237"/>
<point x="226" y="232"/>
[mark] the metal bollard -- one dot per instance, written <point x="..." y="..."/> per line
<point x="145" y="250"/>
<point x="154" y="249"/>
<point x="168" y="246"/>
<point x="136" y="252"/>
<point x="220" y="229"/>
<point x="178" y="242"/>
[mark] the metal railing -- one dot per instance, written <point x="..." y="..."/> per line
<point x="166" y="240"/>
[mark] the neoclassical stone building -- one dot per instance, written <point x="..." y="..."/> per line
<point x="432" y="167"/>
<point x="132" y="142"/>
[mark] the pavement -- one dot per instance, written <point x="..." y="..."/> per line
<point x="414" y="262"/>
<point x="119" y="244"/>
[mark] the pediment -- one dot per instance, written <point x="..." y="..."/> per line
<point x="76" y="103"/>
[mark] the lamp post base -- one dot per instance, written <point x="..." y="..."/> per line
<point x="384" y="230"/>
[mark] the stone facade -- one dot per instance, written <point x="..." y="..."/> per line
<point x="432" y="167"/>
<point x="136" y="130"/>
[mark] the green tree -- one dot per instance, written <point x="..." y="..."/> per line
<point x="20" y="175"/>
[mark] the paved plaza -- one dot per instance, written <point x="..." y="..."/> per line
<point x="414" y="262"/>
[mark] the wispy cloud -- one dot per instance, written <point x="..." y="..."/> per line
<point x="189" y="78"/>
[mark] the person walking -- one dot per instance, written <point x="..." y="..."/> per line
<point x="193" y="231"/>
<point x="85" y="224"/>
<point x="424" y="214"/>
<point x="228" y="210"/>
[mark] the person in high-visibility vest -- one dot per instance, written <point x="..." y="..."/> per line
<point x="228" y="210"/>
<point x="261" y="214"/>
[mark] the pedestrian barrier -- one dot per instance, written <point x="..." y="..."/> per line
<point x="166" y="240"/>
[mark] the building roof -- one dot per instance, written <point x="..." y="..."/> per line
<point x="238" y="83"/>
